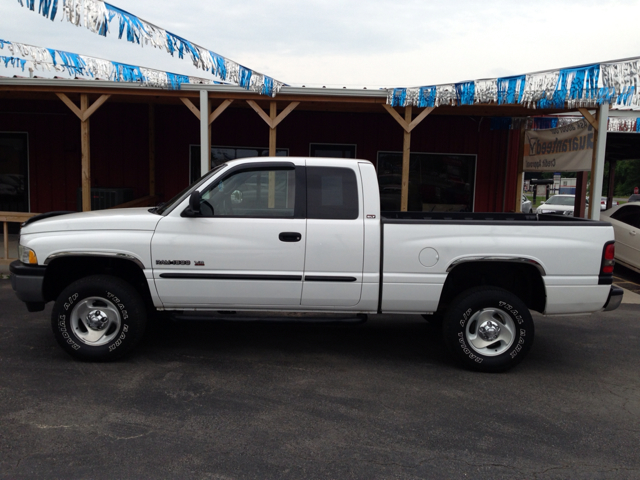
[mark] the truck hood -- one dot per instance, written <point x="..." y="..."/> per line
<point x="116" y="219"/>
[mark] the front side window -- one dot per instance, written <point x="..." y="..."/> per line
<point x="252" y="193"/>
<point x="332" y="193"/>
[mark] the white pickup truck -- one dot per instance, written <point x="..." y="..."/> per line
<point x="307" y="235"/>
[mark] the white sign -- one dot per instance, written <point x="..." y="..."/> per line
<point x="565" y="149"/>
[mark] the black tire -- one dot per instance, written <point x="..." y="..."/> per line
<point x="506" y="336"/>
<point x="98" y="318"/>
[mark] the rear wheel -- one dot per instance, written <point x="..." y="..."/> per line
<point x="98" y="318"/>
<point x="488" y="329"/>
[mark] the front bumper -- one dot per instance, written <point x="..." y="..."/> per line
<point x="615" y="298"/>
<point x="27" y="281"/>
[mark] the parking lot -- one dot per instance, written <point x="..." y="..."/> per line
<point x="379" y="399"/>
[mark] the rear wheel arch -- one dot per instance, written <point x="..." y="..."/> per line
<point x="522" y="279"/>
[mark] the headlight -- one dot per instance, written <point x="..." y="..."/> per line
<point x="27" y="255"/>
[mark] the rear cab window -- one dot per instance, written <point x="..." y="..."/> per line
<point x="332" y="193"/>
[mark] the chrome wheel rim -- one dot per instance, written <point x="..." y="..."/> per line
<point x="490" y="332"/>
<point x="95" y="321"/>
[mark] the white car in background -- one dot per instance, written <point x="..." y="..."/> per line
<point x="527" y="206"/>
<point x="603" y="203"/>
<point x="560" y="205"/>
<point x="626" y="226"/>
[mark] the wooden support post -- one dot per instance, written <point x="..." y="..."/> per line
<point x="272" y="120"/>
<point x="85" y="135"/>
<point x="520" y="166"/>
<point x="272" y="153"/>
<point x="272" y="131"/>
<point x="408" y="125"/>
<point x="406" y="157"/>
<point x="152" y="149"/>
<point x="84" y="113"/>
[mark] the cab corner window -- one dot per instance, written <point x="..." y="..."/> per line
<point x="332" y="193"/>
<point x="252" y="193"/>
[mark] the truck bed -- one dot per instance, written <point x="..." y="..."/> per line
<point x="485" y="218"/>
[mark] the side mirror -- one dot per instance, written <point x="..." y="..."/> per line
<point x="193" y="210"/>
<point x="194" y="201"/>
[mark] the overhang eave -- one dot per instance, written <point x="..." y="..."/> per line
<point x="318" y="99"/>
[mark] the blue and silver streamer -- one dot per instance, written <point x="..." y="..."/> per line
<point x="48" y="8"/>
<point x="465" y="92"/>
<point x="427" y="97"/>
<point x="37" y="58"/>
<point x="176" y="80"/>
<point x="510" y="89"/>
<point x="14" y="62"/>
<point x="620" y="83"/>
<point x="588" y="86"/>
<point x="397" y="97"/>
<point x="486" y="91"/>
<point x="175" y="42"/>
<point x="97" y="15"/>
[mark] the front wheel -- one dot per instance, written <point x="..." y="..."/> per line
<point x="98" y="318"/>
<point x="488" y="329"/>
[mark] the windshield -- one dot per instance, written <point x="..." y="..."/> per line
<point x="171" y="204"/>
<point x="558" y="200"/>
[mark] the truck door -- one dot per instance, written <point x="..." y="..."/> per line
<point x="246" y="248"/>
<point x="335" y="235"/>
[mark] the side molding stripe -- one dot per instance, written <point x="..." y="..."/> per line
<point x="317" y="278"/>
<point x="225" y="276"/>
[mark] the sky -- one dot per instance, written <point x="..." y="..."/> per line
<point x="354" y="43"/>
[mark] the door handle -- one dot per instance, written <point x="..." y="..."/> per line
<point x="290" y="237"/>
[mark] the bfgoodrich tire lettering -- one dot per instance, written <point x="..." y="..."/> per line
<point x="98" y="318"/>
<point x="488" y="329"/>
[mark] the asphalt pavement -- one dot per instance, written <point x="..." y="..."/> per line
<point x="379" y="399"/>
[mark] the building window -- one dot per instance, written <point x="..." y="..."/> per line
<point x="220" y="155"/>
<point x="437" y="182"/>
<point x="332" y="150"/>
<point x="14" y="172"/>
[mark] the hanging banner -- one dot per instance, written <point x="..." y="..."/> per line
<point x="565" y="149"/>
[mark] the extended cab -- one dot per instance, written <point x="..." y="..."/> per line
<point x="307" y="235"/>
